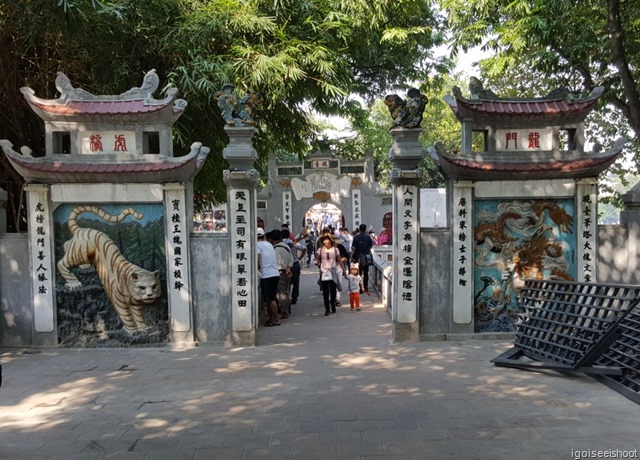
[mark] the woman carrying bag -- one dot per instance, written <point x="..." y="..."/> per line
<point x="328" y="258"/>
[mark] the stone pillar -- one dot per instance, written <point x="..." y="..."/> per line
<point x="42" y="264"/>
<point x="586" y="229"/>
<point x="630" y="220"/>
<point x="406" y="153"/>
<point x="177" y="229"/>
<point x="463" y="257"/>
<point x="241" y="180"/>
<point x="3" y="210"/>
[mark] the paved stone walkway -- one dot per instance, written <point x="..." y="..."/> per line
<point x="314" y="388"/>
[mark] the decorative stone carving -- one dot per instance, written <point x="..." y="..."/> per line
<point x="406" y="113"/>
<point x="237" y="112"/>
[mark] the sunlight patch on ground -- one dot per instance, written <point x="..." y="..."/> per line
<point x="146" y="422"/>
<point x="369" y="360"/>
<point x="283" y="368"/>
<point x="234" y="367"/>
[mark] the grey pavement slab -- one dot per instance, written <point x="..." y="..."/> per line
<point x="314" y="388"/>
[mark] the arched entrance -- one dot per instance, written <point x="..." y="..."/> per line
<point x="323" y="215"/>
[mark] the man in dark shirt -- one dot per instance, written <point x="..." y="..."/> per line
<point x="362" y="244"/>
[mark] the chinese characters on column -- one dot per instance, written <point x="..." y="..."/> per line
<point x="462" y="247"/>
<point x="240" y="247"/>
<point x="41" y="256"/>
<point x="462" y="263"/>
<point x="286" y="208"/>
<point x="408" y="246"/>
<point x="587" y="240"/>
<point x="355" y="199"/>
<point x="41" y="251"/>
<point x="178" y="246"/>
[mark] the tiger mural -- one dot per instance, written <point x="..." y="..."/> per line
<point x="128" y="287"/>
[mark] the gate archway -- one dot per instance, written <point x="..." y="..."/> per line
<point x="323" y="178"/>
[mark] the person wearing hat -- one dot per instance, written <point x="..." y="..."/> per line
<point x="374" y="238"/>
<point x="270" y="275"/>
<point x="383" y="238"/>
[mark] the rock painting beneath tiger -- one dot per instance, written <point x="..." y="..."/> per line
<point x="514" y="241"/>
<point x="111" y="274"/>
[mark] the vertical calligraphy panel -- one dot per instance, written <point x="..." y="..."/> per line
<point x="586" y="229"/>
<point x="178" y="265"/>
<point x="242" y="248"/>
<point x="356" y="201"/>
<point x="41" y="255"/>
<point x="286" y="208"/>
<point x="462" y="231"/>
<point x="407" y="242"/>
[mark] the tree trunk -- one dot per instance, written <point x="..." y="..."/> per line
<point x="620" y="61"/>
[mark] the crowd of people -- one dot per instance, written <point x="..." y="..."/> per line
<point x="343" y="260"/>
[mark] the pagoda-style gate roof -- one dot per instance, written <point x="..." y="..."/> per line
<point x="102" y="168"/>
<point x="559" y="106"/>
<point x="522" y="137"/>
<point x="105" y="138"/>
<point x="499" y="166"/>
<point x="77" y="104"/>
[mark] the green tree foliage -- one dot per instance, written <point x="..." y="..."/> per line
<point x="372" y="134"/>
<point x="300" y="56"/>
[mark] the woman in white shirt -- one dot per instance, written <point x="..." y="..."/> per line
<point x="327" y="258"/>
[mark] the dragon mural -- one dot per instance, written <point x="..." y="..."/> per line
<point x="515" y="241"/>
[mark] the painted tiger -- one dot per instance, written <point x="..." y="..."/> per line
<point x="128" y="287"/>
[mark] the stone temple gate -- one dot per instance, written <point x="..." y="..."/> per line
<point x="521" y="202"/>
<point x="323" y="177"/>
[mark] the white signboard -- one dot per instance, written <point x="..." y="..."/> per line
<point x="107" y="142"/>
<point x="320" y="182"/>
<point x="356" y="202"/>
<point x="524" y="140"/>
<point x="286" y="208"/>
<point x="433" y="207"/>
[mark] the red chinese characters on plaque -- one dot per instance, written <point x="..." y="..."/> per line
<point x="320" y="164"/>
<point x="524" y="140"/>
<point x="96" y="142"/>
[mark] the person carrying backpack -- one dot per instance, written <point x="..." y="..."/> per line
<point x="361" y="253"/>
